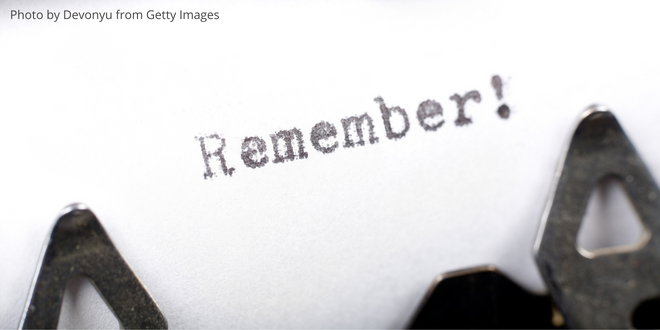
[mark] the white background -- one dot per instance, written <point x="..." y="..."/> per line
<point x="107" y="113"/>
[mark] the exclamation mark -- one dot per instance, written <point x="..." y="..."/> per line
<point x="503" y="110"/>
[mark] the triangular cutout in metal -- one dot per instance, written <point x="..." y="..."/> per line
<point x="84" y="308"/>
<point x="78" y="244"/>
<point x="601" y="291"/>
<point x="610" y="223"/>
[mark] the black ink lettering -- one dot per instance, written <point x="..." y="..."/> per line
<point x="218" y="153"/>
<point x="324" y="131"/>
<point x="496" y="81"/>
<point x="460" y="103"/>
<point x="503" y="111"/>
<point x="253" y="152"/>
<point x="324" y="135"/>
<point x="346" y="123"/>
<point x="429" y="109"/>
<point x="387" y="116"/>
<point x="288" y="136"/>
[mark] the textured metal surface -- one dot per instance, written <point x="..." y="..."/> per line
<point x="78" y="244"/>
<point x="481" y="298"/>
<point x="599" y="290"/>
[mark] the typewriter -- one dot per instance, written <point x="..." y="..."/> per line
<point x="329" y="164"/>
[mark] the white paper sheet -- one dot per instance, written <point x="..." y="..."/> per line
<point x="107" y="114"/>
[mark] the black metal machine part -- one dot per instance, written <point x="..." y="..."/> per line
<point x="615" y="287"/>
<point x="78" y="245"/>
<point x="484" y="298"/>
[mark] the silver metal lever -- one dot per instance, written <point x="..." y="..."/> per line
<point x="599" y="290"/>
<point x="78" y="244"/>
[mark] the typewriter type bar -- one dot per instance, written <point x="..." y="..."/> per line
<point x="78" y="245"/>
<point x="608" y="288"/>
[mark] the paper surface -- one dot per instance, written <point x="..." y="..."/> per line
<point x="109" y="114"/>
